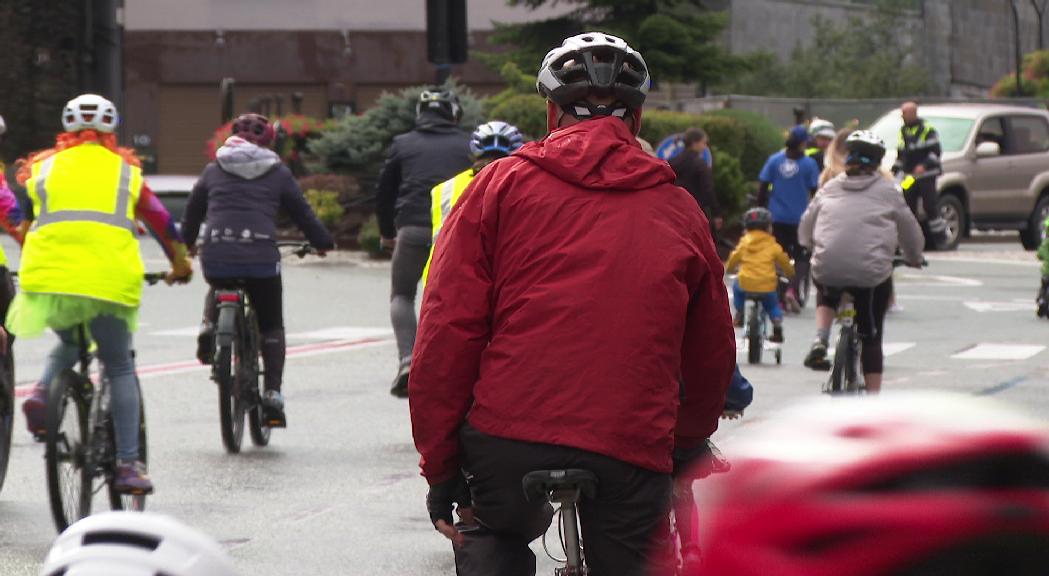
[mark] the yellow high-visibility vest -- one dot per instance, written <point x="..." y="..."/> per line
<point x="442" y="198"/>
<point x="83" y="241"/>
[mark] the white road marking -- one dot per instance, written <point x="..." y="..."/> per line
<point x="893" y="348"/>
<point x="981" y="306"/>
<point x="343" y="333"/>
<point x="912" y="280"/>
<point x="188" y="331"/>
<point x="999" y="352"/>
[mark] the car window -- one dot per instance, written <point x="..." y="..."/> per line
<point x="954" y="132"/>
<point x="993" y="130"/>
<point x="1028" y="135"/>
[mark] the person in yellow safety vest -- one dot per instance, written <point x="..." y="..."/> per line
<point x="490" y="142"/>
<point x="821" y="133"/>
<point x="918" y="163"/>
<point x="81" y="265"/>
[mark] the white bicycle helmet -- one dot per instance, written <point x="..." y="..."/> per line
<point x="595" y="64"/>
<point x="135" y="544"/>
<point x="3" y="126"/>
<point x="495" y="138"/>
<point x="864" y="147"/>
<point x="821" y="128"/>
<point x="90" y="112"/>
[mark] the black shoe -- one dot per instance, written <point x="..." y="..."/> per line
<point x="817" y="357"/>
<point x="206" y="344"/>
<point x="777" y="334"/>
<point x="400" y="382"/>
<point x="273" y="409"/>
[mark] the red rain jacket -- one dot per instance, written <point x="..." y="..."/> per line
<point x="575" y="298"/>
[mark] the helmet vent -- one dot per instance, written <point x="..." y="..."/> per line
<point x="998" y="472"/>
<point x="122" y="538"/>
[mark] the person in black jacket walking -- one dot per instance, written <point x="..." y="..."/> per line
<point x="238" y="196"/>
<point x="697" y="177"/>
<point x="417" y="161"/>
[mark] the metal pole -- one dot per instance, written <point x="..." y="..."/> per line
<point x="1039" y="9"/>
<point x="1016" y="44"/>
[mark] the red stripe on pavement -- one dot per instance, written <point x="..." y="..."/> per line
<point x="24" y="389"/>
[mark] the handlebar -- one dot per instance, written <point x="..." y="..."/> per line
<point x="302" y="249"/>
<point x="154" y="278"/>
<point x="899" y="261"/>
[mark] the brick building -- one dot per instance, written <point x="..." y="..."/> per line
<point x="338" y="54"/>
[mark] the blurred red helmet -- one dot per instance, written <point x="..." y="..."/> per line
<point x="901" y="485"/>
<point x="254" y="128"/>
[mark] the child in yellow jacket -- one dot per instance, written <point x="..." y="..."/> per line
<point x="757" y="256"/>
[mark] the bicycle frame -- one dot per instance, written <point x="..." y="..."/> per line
<point x="845" y="376"/>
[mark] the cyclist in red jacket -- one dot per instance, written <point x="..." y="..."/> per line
<point x="575" y="317"/>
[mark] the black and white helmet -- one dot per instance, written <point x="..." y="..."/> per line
<point x="443" y="102"/>
<point x="864" y="147"/>
<point x="495" y="138"/>
<point x="594" y="64"/>
<point x="90" y="112"/>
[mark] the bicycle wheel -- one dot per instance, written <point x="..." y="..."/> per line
<point x="231" y="407"/>
<point x="804" y="283"/>
<point x="854" y="376"/>
<point x="837" y="384"/>
<point x="69" y="469"/>
<point x="7" y="412"/>
<point x="260" y="431"/>
<point x="118" y="501"/>
<point x="754" y="336"/>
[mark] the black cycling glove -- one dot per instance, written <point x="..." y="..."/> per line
<point x="442" y="498"/>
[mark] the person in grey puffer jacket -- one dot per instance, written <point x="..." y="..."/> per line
<point x="239" y="196"/>
<point x="853" y="228"/>
<point x="417" y="161"/>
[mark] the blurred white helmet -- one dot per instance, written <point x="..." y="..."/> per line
<point x="820" y="127"/>
<point x="90" y="112"/>
<point x="135" y="544"/>
<point x="3" y="126"/>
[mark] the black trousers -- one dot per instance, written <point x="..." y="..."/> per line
<point x="267" y="298"/>
<point x="787" y="237"/>
<point x="871" y="305"/>
<point x="624" y="529"/>
<point x="925" y="191"/>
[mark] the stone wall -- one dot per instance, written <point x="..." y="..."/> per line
<point x="966" y="45"/>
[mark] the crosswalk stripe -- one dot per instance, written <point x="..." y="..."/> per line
<point x="988" y="351"/>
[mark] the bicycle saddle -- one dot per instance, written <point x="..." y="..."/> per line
<point x="543" y="484"/>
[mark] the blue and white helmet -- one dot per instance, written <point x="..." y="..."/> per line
<point x="498" y="138"/>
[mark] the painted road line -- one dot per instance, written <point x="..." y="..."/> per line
<point x="981" y="306"/>
<point x="939" y="281"/>
<point x="894" y="348"/>
<point x="188" y="331"/>
<point x="186" y="366"/>
<point x="998" y="352"/>
<point x="343" y="333"/>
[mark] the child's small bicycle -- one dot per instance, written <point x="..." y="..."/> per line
<point x="756" y="331"/>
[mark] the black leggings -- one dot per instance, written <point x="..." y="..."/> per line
<point x="787" y="237"/>
<point x="871" y="305"/>
<point x="266" y="294"/>
<point x="924" y="190"/>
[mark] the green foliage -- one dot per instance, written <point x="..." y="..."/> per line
<point x="369" y="239"/>
<point x="729" y="184"/>
<point x="325" y="204"/>
<point x="678" y="39"/>
<point x="526" y="111"/>
<point x="861" y="58"/>
<point x="760" y="138"/>
<point x="357" y="143"/>
<point x="1034" y="78"/>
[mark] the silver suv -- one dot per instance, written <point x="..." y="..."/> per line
<point x="995" y="166"/>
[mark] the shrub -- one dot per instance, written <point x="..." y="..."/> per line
<point x="356" y="144"/>
<point x="760" y="139"/>
<point x="730" y="184"/>
<point x="325" y="204"/>
<point x="369" y="239"/>
<point x="526" y="111"/>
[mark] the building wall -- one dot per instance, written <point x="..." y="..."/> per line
<point x="313" y="14"/>
<point x="172" y="79"/>
<point x="966" y="45"/>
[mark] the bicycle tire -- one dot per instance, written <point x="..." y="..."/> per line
<point x="135" y="502"/>
<point x="805" y="284"/>
<point x="69" y="493"/>
<point x="7" y="413"/>
<point x="836" y="383"/>
<point x="259" y="431"/>
<point x="232" y="433"/>
<point x="854" y="381"/>
<point x="754" y="339"/>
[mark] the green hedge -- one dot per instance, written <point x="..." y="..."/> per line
<point x="526" y="111"/>
<point x="760" y="138"/>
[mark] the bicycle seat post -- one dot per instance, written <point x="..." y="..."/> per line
<point x="567" y="498"/>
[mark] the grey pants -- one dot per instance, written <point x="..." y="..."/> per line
<point x="409" y="260"/>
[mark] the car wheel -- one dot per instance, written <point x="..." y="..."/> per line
<point x="953" y="213"/>
<point x="1032" y="237"/>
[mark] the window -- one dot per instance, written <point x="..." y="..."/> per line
<point x="954" y="132"/>
<point x="1028" y="135"/>
<point x="993" y="130"/>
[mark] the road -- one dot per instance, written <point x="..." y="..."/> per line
<point x="338" y="492"/>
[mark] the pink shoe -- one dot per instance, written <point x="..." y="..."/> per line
<point x="35" y="410"/>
